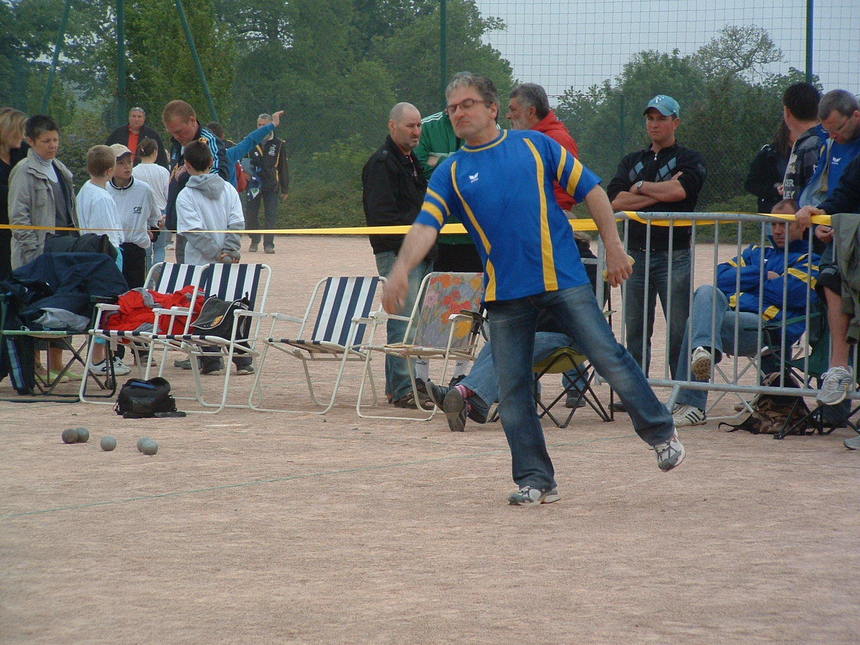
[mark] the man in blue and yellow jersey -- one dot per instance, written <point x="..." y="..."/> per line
<point x="500" y="184"/>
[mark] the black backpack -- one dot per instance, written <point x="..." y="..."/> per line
<point x="139" y="399"/>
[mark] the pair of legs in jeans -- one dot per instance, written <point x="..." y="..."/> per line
<point x="712" y="326"/>
<point x="482" y="378"/>
<point x="638" y="310"/>
<point x="398" y="385"/>
<point x="512" y="329"/>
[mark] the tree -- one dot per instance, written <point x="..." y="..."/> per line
<point x="729" y="108"/>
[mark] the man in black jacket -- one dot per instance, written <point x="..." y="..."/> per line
<point x="393" y="191"/>
<point x="663" y="177"/>
<point x="270" y="176"/>
<point x="132" y="133"/>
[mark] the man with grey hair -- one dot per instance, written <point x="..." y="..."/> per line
<point x="393" y="187"/>
<point x="269" y="177"/>
<point x="839" y="112"/>
<point x="500" y="185"/>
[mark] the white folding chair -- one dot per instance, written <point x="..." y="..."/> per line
<point x="328" y="332"/>
<point x="165" y="278"/>
<point x="228" y="282"/>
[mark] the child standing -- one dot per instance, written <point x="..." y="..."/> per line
<point x="97" y="214"/>
<point x="137" y="214"/>
<point x="208" y="204"/>
<point x="158" y="179"/>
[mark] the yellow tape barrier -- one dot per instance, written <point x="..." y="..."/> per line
<point x="448" y="229"/>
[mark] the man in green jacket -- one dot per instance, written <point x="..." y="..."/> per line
<point x="437" y="143"/>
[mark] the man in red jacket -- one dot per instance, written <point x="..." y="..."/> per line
<point x="528" y="109"/>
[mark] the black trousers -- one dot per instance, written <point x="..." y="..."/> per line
<point x="133" y="264"/>
<point x="269" y="198"/>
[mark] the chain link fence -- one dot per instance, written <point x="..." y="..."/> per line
<point x="726" y="62"/>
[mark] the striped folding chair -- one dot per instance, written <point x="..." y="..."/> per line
<point x="164" y="277"/>
<point x="228" y="282"/>
<point x="329" y="332"/>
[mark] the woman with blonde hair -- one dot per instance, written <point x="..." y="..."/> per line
<point x="11" y="152"/>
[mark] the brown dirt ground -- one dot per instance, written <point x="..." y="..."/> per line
<point x="266" y="527"/>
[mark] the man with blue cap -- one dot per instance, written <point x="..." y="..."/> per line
<point x="663" y="177"/>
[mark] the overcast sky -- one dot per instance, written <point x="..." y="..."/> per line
<point x="564" y="43"/>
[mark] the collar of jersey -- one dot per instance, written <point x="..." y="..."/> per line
<point x="115" y="187"/>
<point x="502" y="136"/>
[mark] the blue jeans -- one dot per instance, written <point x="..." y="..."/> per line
<point x="158" y="247"/>
<point x="397" y="381"/>
<point x="636" y="307"/>
<point x="512" y="329"/>
<point x="482" y="377"/>
<point x="709" y="303"/>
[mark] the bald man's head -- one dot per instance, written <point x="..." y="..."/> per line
<point x="404" y="125"/>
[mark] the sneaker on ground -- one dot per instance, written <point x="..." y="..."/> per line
<point x="207" y="367"/>
<point x="103" y="369"/>
<point x="454" y="407"/>
<point x="435" y="393"/>
<point x="837" y="381"/>
<point x="528" y="495"/>
<point x="670" y="453"/>
<point x="700" y="365"/>
<point x="574" y="401"/>
<point x="852" y="443"/>
<point x="618" y="406"/>
<point x="688" y="415"/>
<point x="182" y="363"/>
<point x="244" y="369"/>
<point x="120" y="368"/>
<point x="269" y="250"/>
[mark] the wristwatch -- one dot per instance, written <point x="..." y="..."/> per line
<point x="639" y="185"/>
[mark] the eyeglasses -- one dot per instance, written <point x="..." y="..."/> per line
<point x="834" y="131"/>
<point x="465" y="104"/>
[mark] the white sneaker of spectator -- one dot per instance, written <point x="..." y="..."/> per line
<point x="102" y="369"/>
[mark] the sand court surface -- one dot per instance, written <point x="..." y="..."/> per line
<point x="251" y="527"/>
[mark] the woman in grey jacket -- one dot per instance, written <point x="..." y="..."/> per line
<point x="41" y="192"/>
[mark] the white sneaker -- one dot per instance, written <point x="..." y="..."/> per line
<point x="700" y="364"/>
<point x="101" y="368"/>
<point x="670" y="454"/>
<point x="688" y="415"/>
<point x="837" y="382"/>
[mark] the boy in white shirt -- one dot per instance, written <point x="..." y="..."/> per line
<point x="97" y="214"/>
<point x="137" y="213"/>
<point x="208" y="204"/>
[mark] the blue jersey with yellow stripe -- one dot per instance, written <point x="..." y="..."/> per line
<point x="503" y="193"/>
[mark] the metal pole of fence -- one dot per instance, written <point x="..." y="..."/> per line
<point x="46" y="97"/>
<point x="443" y="47"/>
<point x="190" y="38"/>
<point x="810" y="11"/>
<point x="120" y="61"/>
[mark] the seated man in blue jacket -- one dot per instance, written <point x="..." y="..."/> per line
<point x="734" y="302"/>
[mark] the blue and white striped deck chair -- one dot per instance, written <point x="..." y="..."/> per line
<point x="228" y="282"/>
<point x="335" y="335"/>
<point x="164" y="277"/>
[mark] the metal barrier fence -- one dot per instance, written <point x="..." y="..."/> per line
<point x="788" y="320"/>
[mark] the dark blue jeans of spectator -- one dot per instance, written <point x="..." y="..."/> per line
<point x="638" y="310"/>
<point x="712" y="325"/>
<point x="482" y="377"/>
<point x="512" y="330"/>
